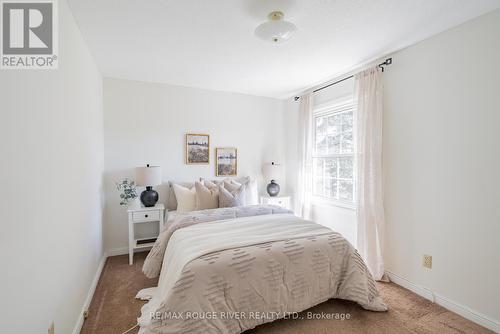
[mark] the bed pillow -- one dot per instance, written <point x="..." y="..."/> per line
<point x="211" y="182"/>
<point x="251" y="191"/>
<point x="231" y="185"/>
<point x="171" y="199"/>
<point x="186" y="198"/>
<point x="207" y="195"/>
<point x="233" y="198"/>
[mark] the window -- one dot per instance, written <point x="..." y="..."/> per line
<point x="333" y="153"/>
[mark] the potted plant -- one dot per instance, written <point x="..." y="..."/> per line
<point x="128" y="192"/>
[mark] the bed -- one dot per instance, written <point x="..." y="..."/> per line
<point x="228" y="270"/>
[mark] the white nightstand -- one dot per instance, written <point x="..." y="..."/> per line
<point x="283" y="201"/>
<point x="138" y="214"/>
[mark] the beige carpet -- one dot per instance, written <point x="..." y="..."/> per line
<point x="114" y="309"/>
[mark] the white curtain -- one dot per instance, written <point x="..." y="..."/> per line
<point x="369" y="194"/>
<point x="305" y="144"/>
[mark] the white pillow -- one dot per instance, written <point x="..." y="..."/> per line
<point x="186" y="198"/>
<point x="231" y="185"/>
<point x="171" y="200"/>
<point x="251" y="191"/>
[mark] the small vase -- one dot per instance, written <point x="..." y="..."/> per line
<point x="273" y="189"/>
<point x="149" y="197"/>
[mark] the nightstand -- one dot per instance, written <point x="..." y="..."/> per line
<point x="283" y="201"/>
<point x="139" y="214"/>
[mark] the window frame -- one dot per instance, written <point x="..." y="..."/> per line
<point x="336" y="106"/>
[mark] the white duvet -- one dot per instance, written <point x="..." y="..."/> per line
<point x="232" y="275"/>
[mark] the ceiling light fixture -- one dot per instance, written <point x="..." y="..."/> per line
<point x="276" y="30"/>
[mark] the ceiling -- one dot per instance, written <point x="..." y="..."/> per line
<point x="210" y="43"/>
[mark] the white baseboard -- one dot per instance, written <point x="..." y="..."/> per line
<point x="123" y="251"/>
<point x="79" y="323"/>
<point x="107" y="253"/>
<point x="116" y="251"/>
<point x="448" y="304"/>
<point x="468" y="313"/>
<point x="419" y="290"/>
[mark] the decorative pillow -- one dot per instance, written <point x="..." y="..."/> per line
<point x="211" y="182"/>
<point x="229" y="198"/>
<point x="207" y="195"/>
<point x="231" y="185"/>
<point x="171" y="199"/>
<point x="186" y="198"/>
<point x="241" y="179"/>
<point x="251" y="191"/>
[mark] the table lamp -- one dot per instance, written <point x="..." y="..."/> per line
<point x="272" y="172"/>
<point x="148" y="177"/>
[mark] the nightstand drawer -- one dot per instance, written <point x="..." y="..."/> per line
<point x="283" y="201"/>
<point x="146" y="216"/>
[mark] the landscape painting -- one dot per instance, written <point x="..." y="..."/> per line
<point x="197" y="149"/>
<point x="227" y="161"/>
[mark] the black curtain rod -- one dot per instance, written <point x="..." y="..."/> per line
<point x="387" y="62"/>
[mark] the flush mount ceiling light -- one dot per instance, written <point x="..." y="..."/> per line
<point x="276" y="30"/>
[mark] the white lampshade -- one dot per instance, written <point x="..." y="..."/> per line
<point x="272" y="171"/>
<point x="148" y="176"/>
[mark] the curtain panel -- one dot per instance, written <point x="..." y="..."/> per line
<point x="305" y="147"/>
<point x="369" y="194"/>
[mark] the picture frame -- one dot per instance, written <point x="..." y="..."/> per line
<point x="226" y="161"/>
<point x="197" y="149"/>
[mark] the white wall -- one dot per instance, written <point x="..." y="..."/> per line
<point x="52" y="162"/>
<point x="441" y="159"/>
<point x="441" y="163"/>
<point x="146" y="123"/>
<point x="340" y="219"/>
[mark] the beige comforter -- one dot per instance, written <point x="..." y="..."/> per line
<point x="152" y="264"/>
<point x="228" y="276"/>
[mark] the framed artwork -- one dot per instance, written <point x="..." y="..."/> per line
<point x="227" y="161"/>
<point x="197" y="149"/>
